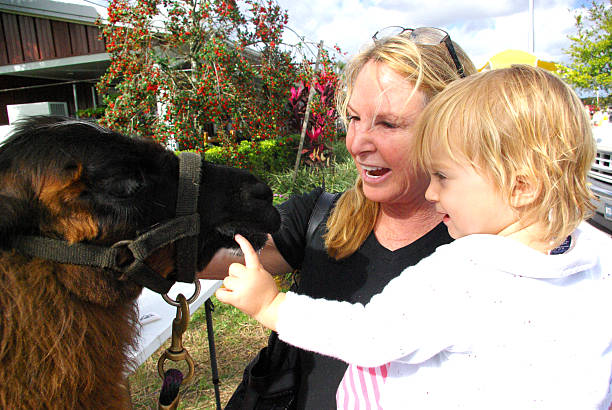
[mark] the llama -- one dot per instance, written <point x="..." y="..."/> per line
<point x="67" y="328"/>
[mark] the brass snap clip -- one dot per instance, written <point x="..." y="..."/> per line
<point x="176" y="352"/>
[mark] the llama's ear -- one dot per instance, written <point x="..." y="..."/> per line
<point x="16" y="216"/>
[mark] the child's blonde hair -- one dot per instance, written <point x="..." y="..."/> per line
<point x="519" y="124"/>
<point x="430" y="69"/>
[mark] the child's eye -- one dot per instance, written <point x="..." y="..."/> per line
<point x="438" y="175"/>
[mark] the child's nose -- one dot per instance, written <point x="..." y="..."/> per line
<point x="431" y="194"/>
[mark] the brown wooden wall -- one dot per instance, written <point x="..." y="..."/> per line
<point x="25" y="39"/>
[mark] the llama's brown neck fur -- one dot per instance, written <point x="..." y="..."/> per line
<point x="64" y="339"/>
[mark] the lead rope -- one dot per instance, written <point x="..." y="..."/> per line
<point x="173" y="379"/>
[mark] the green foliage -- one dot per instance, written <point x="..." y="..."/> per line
<point x="216" y="62"/>
<point x="273" y="161"/>
<point x="260" y="156"/>
<point x="91" y="112"/>
<point x="339" y="176"/>
<point x="591" y="49"/>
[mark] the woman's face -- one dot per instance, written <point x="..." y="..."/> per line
<point x="380" y="136"/>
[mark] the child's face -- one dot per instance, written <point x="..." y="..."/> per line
<point x="469" y="200"/>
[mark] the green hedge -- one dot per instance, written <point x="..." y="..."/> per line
<point x="260" y="156"/>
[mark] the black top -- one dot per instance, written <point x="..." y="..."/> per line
<point x="354" y="279"/>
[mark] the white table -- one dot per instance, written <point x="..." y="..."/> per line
<point x="156" y="315"/>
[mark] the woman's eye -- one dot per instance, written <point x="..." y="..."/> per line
<point x="389" y="125"/>
<point x="350" y="118"/>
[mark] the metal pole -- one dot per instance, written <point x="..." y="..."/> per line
<point x="93" y="97"/>
<point x="76" y="101"/>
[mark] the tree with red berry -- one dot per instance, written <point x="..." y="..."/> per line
<point x="178" y="67"/>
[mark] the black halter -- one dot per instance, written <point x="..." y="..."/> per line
<point x="183" y="229"/>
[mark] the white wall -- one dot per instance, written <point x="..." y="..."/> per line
<point x="4" y="131"/>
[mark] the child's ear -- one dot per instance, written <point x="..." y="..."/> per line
<point x="525" y="191"/>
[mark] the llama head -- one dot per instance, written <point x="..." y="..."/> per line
<point x="75" y="181"/>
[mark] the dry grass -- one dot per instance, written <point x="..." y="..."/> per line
<point x="238" y="338"/>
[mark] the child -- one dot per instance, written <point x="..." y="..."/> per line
<point x="514" y="314"/>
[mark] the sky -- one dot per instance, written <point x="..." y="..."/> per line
<point x="482" y="27"/>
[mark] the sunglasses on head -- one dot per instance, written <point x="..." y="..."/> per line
<point x="428" y="36"/>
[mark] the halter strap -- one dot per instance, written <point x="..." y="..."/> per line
<point x="182" y="229"/>
<point x="186" y="204"/>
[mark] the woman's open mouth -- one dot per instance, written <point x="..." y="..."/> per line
<point x="375" y="172"/>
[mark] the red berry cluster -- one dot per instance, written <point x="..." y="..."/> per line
<point x="181" y="70"/>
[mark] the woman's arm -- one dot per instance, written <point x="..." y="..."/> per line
<point x="269" y="256"/>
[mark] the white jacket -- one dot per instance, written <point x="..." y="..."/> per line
<point x="484" y="323"/>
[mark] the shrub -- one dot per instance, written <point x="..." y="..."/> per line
<point x="337" y="177"/>
<point x="273" y="161"/>
<point x="260" y="156"/>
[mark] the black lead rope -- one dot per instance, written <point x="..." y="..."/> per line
<point x="209" y="308"/>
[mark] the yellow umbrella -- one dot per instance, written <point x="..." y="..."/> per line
<point x="508" y="57"/>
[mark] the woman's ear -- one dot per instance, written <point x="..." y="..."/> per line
<point x="525" y="191"/>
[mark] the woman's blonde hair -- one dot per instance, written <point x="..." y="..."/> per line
<point x="519" y="124"/>
<point x="430" y="68"/>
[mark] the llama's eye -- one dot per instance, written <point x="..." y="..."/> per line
<point x="71" y="167"/>
<point x="124" y="188"/>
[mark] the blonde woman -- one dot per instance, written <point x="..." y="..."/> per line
<point x="515" y="313"/>
<point x="384" y="224"/>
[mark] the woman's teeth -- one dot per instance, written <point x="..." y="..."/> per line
<point x="375" y="172"/>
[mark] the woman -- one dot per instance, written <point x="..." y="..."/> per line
<point x="384" y="223"/>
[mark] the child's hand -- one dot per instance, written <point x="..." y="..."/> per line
<point x="251" y="288"/>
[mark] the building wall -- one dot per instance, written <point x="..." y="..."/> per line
<point x="26" y="39"/>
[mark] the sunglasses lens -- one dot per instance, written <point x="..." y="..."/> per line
<point x="427" y="36"/>
<point x="388" y="32"/>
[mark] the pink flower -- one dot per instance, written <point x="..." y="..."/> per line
<point x="314" y="133"/>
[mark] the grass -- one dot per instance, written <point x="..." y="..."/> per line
<point x="238" y="338"/>
<point x="339" y="176"/>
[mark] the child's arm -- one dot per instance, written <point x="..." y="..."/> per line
<point x="404" y="319"/>
<point x="251" y="288"/>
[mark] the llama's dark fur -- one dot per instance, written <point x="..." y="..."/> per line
<point x="66" y="330"/>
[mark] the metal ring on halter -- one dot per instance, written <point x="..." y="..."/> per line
<point x="196" y="293"/>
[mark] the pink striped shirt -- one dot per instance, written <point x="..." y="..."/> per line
<point x="360" y="388"/>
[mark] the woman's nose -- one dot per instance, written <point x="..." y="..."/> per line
<point x="359" y="140"/>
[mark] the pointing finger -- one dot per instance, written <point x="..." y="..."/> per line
<point x="251" y="259"/>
